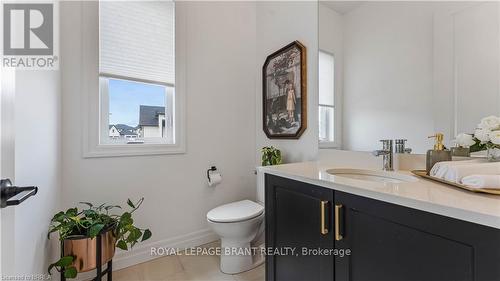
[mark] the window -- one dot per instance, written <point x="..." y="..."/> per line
<point x="326" y="110"/>
<point x="139" y="110"/>
<point x="133" y="88"/>
<point x="136" y="72"/>
<point x="136" y="112"/>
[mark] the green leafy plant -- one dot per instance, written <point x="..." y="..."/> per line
<point x="92" y="221"/>
<point x="271" y="156"/>
<point x="478" y="146"/>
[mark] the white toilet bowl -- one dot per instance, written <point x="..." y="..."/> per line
<point x="238" y="224"/>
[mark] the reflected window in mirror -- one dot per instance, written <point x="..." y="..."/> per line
<point x="326" y="111"/>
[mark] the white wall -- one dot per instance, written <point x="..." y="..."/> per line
<point x="388" y="75"/>
<point x="220" y="130"/>
<point x="37" y="162"/>
<point x="278" y="24"/>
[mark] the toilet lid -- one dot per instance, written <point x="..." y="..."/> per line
<point x="237" y="211"/>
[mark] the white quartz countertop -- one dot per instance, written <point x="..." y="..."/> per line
<point x="425" y="195"/>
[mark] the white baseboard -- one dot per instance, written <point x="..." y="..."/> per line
<point x="142" y="252"/>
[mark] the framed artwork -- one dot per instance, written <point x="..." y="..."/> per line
<point x="284" y="83"/>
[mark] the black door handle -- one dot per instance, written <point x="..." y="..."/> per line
<point x="13" y="195"/>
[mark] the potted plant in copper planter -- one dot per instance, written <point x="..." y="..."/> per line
<point x="80" y="230"/>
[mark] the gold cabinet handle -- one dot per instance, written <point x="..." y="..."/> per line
<point x="324" y="225"/>
<point x="338" y="236"/>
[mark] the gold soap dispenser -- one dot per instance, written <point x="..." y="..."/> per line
<point x="438" y="154"/>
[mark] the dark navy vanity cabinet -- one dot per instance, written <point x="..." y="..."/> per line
<point x="387" y="242"/>
<point x="293" y="219"/>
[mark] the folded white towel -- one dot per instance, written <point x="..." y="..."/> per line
<point x="440" y="169"/>
<point x="482" y="181"/>
<point x="455" y="173"/>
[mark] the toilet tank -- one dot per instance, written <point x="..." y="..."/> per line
<point x="261" y="186"/>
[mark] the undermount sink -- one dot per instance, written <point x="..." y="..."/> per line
<point x="372" y="175"/>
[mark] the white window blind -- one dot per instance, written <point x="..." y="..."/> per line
<point x="326" y="79"/>
<point x="137" y="40"/>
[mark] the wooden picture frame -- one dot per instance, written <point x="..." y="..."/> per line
<point x="284" y="92"/>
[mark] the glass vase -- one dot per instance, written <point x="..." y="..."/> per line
<point x="460" y="151"/>
<point x="493" y="154"/>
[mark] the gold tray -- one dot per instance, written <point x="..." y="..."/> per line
<point x="423" y="173"/>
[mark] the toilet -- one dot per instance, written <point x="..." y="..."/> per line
<point x="240" y="226"/>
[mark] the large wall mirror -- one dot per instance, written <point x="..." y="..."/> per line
<point x="405" y="70"/>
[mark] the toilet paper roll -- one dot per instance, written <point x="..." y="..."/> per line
<point x="214" y="179"/>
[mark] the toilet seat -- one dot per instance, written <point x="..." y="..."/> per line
<point x="235" y="212"/>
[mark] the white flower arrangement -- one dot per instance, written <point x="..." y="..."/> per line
<point x="465" y="140"/>
<point x="488" y="132"/>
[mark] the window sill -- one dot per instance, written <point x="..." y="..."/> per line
<point x="328" y="145"/>
<point x="123" y="150"/>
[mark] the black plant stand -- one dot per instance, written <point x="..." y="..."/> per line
<point x="99" y="272"/>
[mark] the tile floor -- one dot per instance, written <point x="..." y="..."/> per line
<point x="185" y="268"/>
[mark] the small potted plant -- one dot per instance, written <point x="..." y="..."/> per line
<point x="271" y="156"/>
<point x="78" y="230"/>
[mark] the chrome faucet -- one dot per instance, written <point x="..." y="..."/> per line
<point x="387" y="152"/>
<point x="400" y="146"/>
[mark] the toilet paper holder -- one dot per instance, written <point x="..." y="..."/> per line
<point x="212" y="169"/>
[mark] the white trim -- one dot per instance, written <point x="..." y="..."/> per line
<point x="169" y="114"/>
<point x="91" y="101"/>
<point x="103" y="107"/>
<point x="498" y="62"/>
<point x="455" y="79"/>
<point x="328" y="145"/>
<point x="142" y="252"/>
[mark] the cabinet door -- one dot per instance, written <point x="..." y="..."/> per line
<point x="294" y="215"/>
<point x="390" y="242"/>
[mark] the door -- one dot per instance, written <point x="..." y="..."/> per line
<point x="30" y="106"/>
<point x="7" y="153"/>
<point x="298" y="217"/>
<point x="394" y="243"/>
